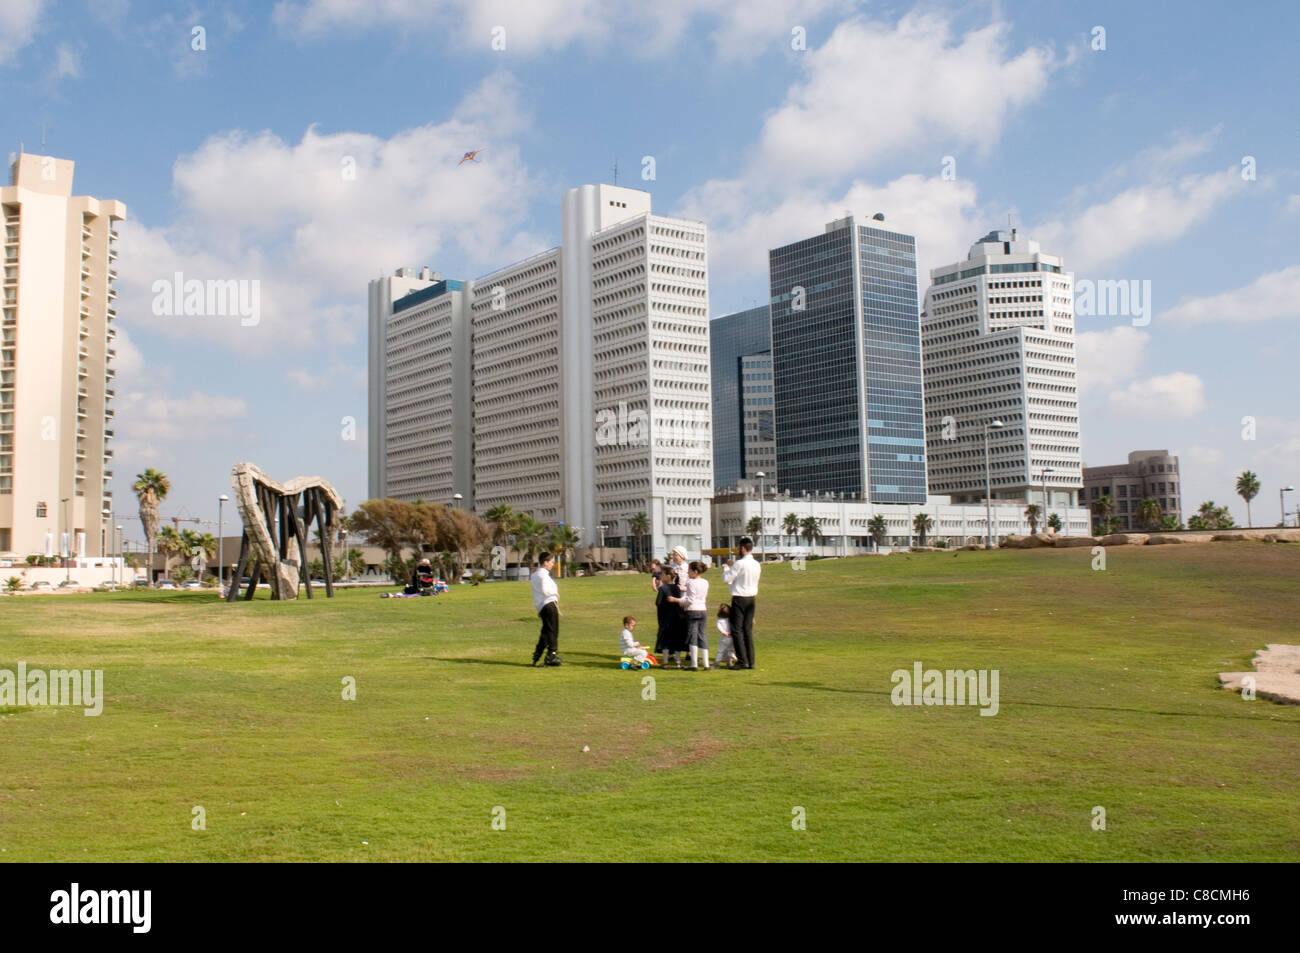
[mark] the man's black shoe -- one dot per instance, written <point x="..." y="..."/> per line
<point x="553" y="660"/>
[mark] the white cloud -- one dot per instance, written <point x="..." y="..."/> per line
<point x="1145" y="214"/>
<point x="1293" y="204"/>
<point x="619" y="27"/>
<point x="1170" y="395"/>
<point x="150" y="424"/>
<point x="18" y="19"/>
<point x="940" y="89"/>
<point x="67" y="64"/>
<point x="313" y="221"/>
<point x="1274" y="295"/>
<point x="1204" y="456"/>
<point x="922" y="84"/>
<point x="942" y="216"/>
<point x="1108" y="358"/>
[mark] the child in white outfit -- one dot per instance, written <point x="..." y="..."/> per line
<point x="726" y="648"/>
<point x="628" y="646"/>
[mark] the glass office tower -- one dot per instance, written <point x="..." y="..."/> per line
<point x="732" y="338"/>
<point x="846" y="364"/>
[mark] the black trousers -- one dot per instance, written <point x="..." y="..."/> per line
<point x="742" y="629"/>
<point x="549" y="641"/>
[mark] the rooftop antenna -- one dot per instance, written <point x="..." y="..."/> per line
<point x="616" y="172"/>
<point x="42" y="138"/>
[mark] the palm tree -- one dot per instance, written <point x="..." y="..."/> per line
<point x="878" y="529"/>
<point x="922" y="524"/>
<point x="810" y="529"/>
<point x="530" y="533"/>
<point x="151" y="488"/>
<point x="640" y="527"/>
<point x="1247" y="489"/>
<point x="562" y="541"/>
<point x="169" y="544"/>
<point x="1102" y="507"/>
<point x="503" y="519"/>
<point x="1032" y="514"/>
<point x="1149" y="513"/>
<point x="754" y="527"/>
<point x="791" y="524"/>
<point x="1054" y="521"/>
<point x="1169" y="522"/>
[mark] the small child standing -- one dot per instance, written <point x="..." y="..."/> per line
<point x="726" y="648"/>
<point x="628" y="646"/>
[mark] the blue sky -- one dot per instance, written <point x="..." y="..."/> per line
<point x="1127" y="160"/>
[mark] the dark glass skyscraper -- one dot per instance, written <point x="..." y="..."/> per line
<point x="731" y="338"/>
<point x="846" y="364"/>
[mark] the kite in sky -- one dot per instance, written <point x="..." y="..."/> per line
<point x="469" y="157"/>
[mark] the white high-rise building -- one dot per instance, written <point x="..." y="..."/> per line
<point x="588" y="378"/>
<point x="57" y="346"/>
<point x="997" y="342"/>
<point x="384" y="292"/>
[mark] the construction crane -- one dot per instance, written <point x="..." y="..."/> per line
<point x="178" y="520"/>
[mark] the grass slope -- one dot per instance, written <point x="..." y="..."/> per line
<point x="1109" y="697"/>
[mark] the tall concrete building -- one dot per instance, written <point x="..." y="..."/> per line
<point x="426" y="417"/>
<point x="587" y="377"/>
<point x="998" y="342"/>
<point x="384" y="292"/>
<point x="740" y="355"/>
<point x="56" y="360"/>
<point x="846" y="363"/>
<point x="1149" y="474"/>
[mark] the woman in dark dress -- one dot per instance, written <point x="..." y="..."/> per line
<point x="667" y="611"/>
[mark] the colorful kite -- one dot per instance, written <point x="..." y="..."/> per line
<point x="469" y="157"/>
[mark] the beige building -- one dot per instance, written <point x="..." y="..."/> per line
<point x="56" y="356"/>
<point x="1149" y="474"/>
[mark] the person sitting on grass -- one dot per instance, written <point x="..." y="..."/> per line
<point x="421" y="582"/>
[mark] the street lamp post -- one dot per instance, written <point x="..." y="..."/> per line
<point x="347" y="562"/>
<point x="457" y="497"/>
<point x="1281" y="499"/>
<point x="67" y="541"/>
<point x="762" y="518"/>
<point x="119" y="564"/>
<point x="221" y="543"/>
<point x="1046" y="470"/>
<point x="988" y="486"/>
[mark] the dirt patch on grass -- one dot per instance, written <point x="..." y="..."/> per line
<point x="697" y="749"/>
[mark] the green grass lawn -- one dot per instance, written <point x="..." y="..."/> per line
<point x="1108" y="697"/>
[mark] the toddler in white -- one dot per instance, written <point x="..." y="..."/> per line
<point x="628" y="646"/>
<point x="726" y="648"/>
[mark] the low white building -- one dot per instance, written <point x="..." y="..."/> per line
<point x="844" y="522"/>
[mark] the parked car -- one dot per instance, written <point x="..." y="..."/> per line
<point x="69" y="584"/>
<point x="193" y="584"/>
<point x="42" y="585"/>
<point x="167" y="584"/>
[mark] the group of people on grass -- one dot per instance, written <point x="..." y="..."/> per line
<point x="681" y="610"/>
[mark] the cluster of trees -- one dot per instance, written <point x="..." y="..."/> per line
<point x="454" y="539"/>
<point x="1034" y="514"/>
<point x="809" y="527"/>
<point x="1210" y="516"/>
<point x="1149" y="517"/>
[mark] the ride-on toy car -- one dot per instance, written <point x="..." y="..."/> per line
<point x="627" y="662"/>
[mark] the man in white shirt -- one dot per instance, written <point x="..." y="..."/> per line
<point x="741" y="575"/>
<point x="546" y="599"/>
